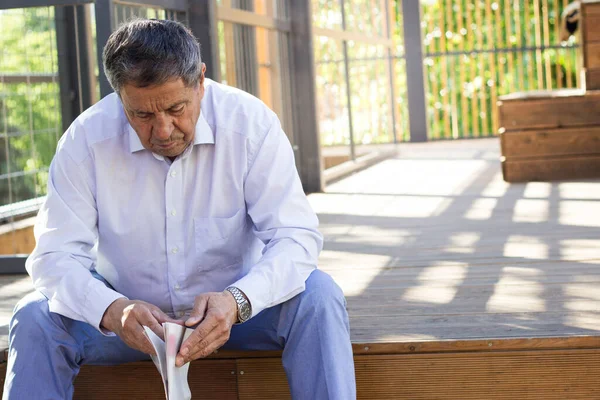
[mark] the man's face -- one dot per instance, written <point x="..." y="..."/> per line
<point x="164" y="116"/>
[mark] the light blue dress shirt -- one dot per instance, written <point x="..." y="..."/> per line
<point x="230" y="210"/>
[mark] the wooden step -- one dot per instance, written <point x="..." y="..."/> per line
<point x="550" y="142"/>
<point x="529" y="368"/>
<point x="551" y="169"/>
<point x="549" y="109"/>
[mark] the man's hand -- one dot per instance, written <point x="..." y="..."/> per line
<point x="126" y="318"/>
<point x="218" y="312"/>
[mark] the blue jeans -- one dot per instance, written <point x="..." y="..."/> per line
<point x="312" y="330"/>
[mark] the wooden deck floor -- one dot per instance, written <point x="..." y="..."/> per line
<point x="433" y="245"/>
<point x="453" y="279"/>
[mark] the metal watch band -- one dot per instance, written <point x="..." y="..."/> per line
<point x="243" y="305"/>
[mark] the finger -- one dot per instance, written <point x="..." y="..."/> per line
<point x="215" y="339"/>
<point x="147" y="318"/>
<point x="199" y="310"/>
<point x="200" y="333"/>
<point x="135" y="337"/>
<point x="162" y="317"/>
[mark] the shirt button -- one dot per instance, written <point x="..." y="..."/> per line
<point x="177" y="287"/>
<point x="173" y="173"/>
<point x="180" y="313"/>
<point x="174" y="250"/>
<point x="173" y="213"/>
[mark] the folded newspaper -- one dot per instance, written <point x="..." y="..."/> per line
<point x="174" y="378"/>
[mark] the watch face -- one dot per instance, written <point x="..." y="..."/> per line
<point x="245" y="312"/>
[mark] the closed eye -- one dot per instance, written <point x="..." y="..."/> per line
<point x="177" y="110"/>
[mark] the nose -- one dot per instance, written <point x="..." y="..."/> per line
<point x="162" y="128"/>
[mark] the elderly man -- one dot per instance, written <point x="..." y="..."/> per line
<point x="175" y="199"/>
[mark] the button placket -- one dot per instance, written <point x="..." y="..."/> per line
<point x="174" y="229"/>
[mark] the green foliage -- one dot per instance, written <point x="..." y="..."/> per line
<point x="475" y="51"/>
<point x="29" y="112"/>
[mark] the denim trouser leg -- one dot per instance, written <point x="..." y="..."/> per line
<point x="46" y="350"/>
<point x="312" y="329"/>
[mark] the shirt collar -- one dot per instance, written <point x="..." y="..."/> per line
<point x="203" y="135"/>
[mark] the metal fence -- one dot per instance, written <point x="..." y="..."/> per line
<point x="30" y="118"/>
<point x="360" y="73"/>
<point x="254" y="44"/>
<point x="478" y="50"/>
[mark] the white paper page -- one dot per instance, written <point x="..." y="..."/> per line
<point x="178" y="388"/>
<point x="160" y="359"/>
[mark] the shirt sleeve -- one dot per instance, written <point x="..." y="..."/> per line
<point x="66" y="233"/>
<point x="283" y="220"/>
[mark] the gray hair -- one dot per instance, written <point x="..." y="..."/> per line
<point x="146" y="52"/>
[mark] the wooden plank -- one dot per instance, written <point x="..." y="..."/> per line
<point x="590" y="23"/>
<point x="591" y="55"/>
<point x="524" y="375"/>
<point x="17" y="237"/>
<point x="554" y="169"/>
<point x="592" y="78"/>
<point x="353" y="36"/>
<point x="208" y="379"/>
<point x="262" y="379"/>
<point x="550" y="142"/>
<point x="547" y="374"/>
<point x="250" y="18"/>
<point x="477" y="345"/>
<point x="563" y="108"/>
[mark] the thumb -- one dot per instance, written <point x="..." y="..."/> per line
<point x="198" y="311"/>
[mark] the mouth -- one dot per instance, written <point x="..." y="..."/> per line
<point x="165" y="146"/>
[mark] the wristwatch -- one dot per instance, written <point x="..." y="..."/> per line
<point x="243" y="305"/>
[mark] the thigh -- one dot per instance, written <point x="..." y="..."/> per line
<point x="99" y="349"/>
<point x="259" y="333"/>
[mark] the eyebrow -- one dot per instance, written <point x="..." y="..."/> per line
<point x="175" y="105"/>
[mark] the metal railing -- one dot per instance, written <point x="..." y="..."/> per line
<point x="479" y="50"/>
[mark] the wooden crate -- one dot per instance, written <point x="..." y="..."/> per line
<point x="550" y="135"/>
<point x="590" y="43"/>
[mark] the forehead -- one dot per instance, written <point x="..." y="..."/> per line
<point x="157" y="96"/>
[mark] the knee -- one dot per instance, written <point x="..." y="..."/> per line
<point x="322" y="291"/>
<point x="30" y="315"/>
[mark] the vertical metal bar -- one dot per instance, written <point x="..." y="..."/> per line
<point x="435" y="90"/>
<point x="202" y="20"/>
<point x="411" y="14"/>
<point x="472" y="68"/>
<point x="521" y="57"/>
<point x="546" y="37"/>
<point x="306" y="129"/>
<point x="481" y="59"/>
<point x="508" y="44"/>
<point x="452" y="88"/>
<point x="538" y="42"/>
<point x="444" y="65"/>
<point x="390" y="62"/>
<point x="532" y="55"/>
<point x="492" y="62"/>
<point x="348" y="87"/>
<point x="105" y="18"/>
<point x="464" y="111"/>
<point x="275" y="61"/>
<point x="567" y="56"/>
<point x="559" y="73"/>
<point x="75" y="66"/>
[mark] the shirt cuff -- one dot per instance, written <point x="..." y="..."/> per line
<point x="258" y="290"/>
<point x="97" y="300"/>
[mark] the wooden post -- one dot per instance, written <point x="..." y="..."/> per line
<point x="306" y="128"/>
